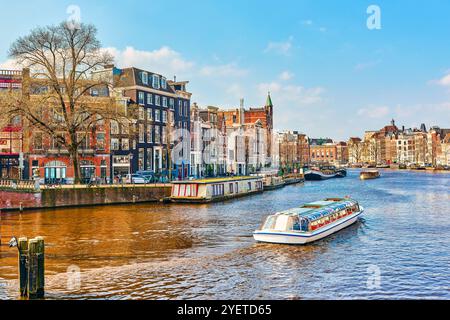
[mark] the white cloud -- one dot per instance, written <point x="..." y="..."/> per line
<point x="10" y="64"/>
<point x="236" y="91"/>
<point x="164" y="60"/>
<point x="282" y="48"/>
<point x="286" y="75"/>
<point x="294" y="95"/>
<point x="229" y="70"/>
<point x="307" y="22"/>
<point x="444" y="81"/>
<point x="374" y="112"/>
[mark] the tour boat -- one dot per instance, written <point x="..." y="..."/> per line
<point x="325" y="173"/>
<point x="310" y="222"/>
<point x="369" y="174"/>
<point x="215" y="189"/>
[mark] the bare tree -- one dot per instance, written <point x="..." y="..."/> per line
<point x="58" y="98"/>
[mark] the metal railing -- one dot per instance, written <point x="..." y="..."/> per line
<point x="10" y="73"/>
<point x="18" y="185"/>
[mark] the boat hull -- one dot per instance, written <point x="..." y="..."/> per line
<point x="274" y="186"/>
<point x="317" y="175"/>
<point x="369" y="175"/>
<point x="201" y="200"/>
<point x="304" y="238"/>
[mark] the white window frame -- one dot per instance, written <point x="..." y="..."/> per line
<point x="144" y="78"/>
<point x="141" y="98"/>
<point x="155" y="81"/>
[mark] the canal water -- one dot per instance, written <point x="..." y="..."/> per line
<point x="398" y="250"/>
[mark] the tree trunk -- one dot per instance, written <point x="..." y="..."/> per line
<point x="75" y="164"/>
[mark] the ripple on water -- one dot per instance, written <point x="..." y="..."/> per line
<point x="207" y="252"/>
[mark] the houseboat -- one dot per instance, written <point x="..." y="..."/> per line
<point x="310" y="222"/>
<point x="324" y="173"/>
<point x="216" y="189"/>
<point x="293" y="178"/>
<point x="273" y="183"/>
<point x="369" y="174"/>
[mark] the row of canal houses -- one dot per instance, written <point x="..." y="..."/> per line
<point x="409" y="146"/>
<point x="210" y="141"/>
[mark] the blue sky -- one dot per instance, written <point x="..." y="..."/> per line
<point x="329" y="75"/>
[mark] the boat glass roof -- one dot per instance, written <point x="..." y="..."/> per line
<point x="325" y="208"/>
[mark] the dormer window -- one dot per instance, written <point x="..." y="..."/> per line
<point x="144" y="78"/>
<point x="155" y="83"/>
<point x="163" y="83"/>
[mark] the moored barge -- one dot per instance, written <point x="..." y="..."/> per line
<point x="324" y="173"/>
<point x="215" y="189"/>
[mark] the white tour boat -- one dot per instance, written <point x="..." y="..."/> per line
<point x="310" y="222"/>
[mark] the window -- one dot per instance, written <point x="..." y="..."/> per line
<point x="37" y="141"/>
<point x="100" y="138"/>
<point x="155" y="83"/>
<point x="144" y="78"/>
<point x="163" y="135"/>
<point x="141" y="159"/>
<point x="115" y="144"/>
<point x="172" y="103"/>
<point x="125" y="144"/>
<point x="149" y="134"/>
<point x="157" y="115"/>
<point x="164" y="102"/>
<point x="158" y="101"/>
<point x="141" y="97"/>
<point x="164" y="116"/>
<point x="149" y="98"/>
<point x="149" y="159"/>
<point x="141" y="133"/>
<point x="180" y="110"/>
<point x="141" y="113"/>
<point x="158" y="134"/>
<point x="185" y="107"/>
<point x="163" y="83"/>
<point x="149" y="114"/>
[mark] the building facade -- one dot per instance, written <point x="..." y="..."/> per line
<point x="163" y="122"/>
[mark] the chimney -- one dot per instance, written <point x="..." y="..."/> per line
<point x="26" y="82"/>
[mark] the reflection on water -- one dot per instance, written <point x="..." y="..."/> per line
<point x="182" y="251"/>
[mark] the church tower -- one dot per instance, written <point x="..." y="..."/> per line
<point x="269" y="112"/>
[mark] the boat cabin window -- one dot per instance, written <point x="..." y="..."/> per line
<point x="282" y="223"/>
<point x="312" y="207"/>
<point x="270" y="223"/>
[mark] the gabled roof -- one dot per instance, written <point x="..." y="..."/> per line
<point x="132" y="77"/>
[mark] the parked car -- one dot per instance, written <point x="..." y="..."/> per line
<point x="148" y="175"/>
<point x="136" y="179"/>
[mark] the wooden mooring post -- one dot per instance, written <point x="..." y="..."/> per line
<point x="31" y="267"/>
